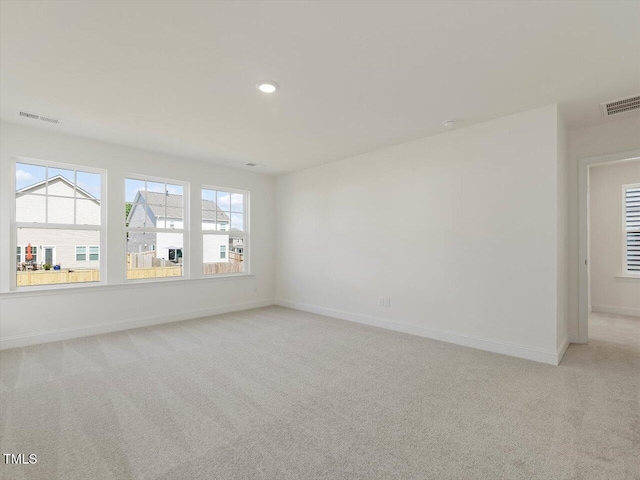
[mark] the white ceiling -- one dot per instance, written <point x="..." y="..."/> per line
<point x="178" y="76"/>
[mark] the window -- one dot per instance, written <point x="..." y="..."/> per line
<point x="81" y="254"/>
<point x="175" y="255"/>
<point x="33" y="257"/>
<point x="31" y="254"/>
<point x="155" y="220"/>
<point x="224" y="230"/>
<point x="632" y="228"/>
<point x="56" y="205"/>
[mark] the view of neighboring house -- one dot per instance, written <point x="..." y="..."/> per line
<point x="165" y="210"/>
<point x="71" y="249"/>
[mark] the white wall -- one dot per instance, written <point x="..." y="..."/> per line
<point x="27" y="316"/>
<point x="610" y="292"/>
<point x="562" y="327"/>
<point x="460" y="230"/>
<point x="617" y="135"/>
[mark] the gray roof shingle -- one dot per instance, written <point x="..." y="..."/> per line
<point x="175" y="205"/>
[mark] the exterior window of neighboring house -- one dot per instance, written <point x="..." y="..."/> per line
<point x="34" y="255"/>
<point x="632" y="228"/>
<point x="81" y="254"/>
<point x="156" y="225"/>
<point x="224" y="230"/>
<point x="56" y="205"/>
<point x="175" y="255"/>
<point x="94" y="253"/>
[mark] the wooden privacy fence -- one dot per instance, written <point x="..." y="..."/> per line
<point x="141" y="260"/>
<point x="154" y="272"/>
<point x="52" y="277"/>
<point x="226" y="267"/>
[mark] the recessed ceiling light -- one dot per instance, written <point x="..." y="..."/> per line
<point x="267" y="86"/>
<point x="449" y="123"/>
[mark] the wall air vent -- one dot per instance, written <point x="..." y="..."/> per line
<point x="34" y="116"/>
<point x="620" y="106"/>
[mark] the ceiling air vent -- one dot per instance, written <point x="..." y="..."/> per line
<point x="29" y="115"/>
<point x="49" y="119"/>
<point x="35" y="116"/>
<point x="620" y="106"/>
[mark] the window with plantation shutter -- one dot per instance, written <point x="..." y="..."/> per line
<point x="632" y="227"/>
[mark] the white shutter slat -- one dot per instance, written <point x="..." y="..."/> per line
<point x="632" y="222"/>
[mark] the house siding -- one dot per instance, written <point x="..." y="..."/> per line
<point x="64" y="241"/>
<point x="32" y="206"/>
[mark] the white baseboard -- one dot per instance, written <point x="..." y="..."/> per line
<point x="575" y="338"/>
<point x="632" y="312"/>
<point x="75" y="332"/>
<point x="495" y="346"/>
<point x="563" y="348"/>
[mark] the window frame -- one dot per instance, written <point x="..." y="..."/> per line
<point x="186" y="230"/>
<point x="85" y="253"/>
<point x="89" y="247"/>
<point x="625" y="265"/>
<point x="246" y="255"/>
<point x="15" y="225"/>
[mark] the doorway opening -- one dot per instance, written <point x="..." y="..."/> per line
<point x="609" y="245"/>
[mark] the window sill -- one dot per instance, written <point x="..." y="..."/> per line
<point x="628" y="275"/>
<point x="129" y="284"/>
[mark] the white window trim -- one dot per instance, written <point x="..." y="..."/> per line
<point x="86" y="253"/>
<point x="186" y="244"/>
<point x="246" y="255"/>
<point x="23" y="252"/>
<point x="625" y="266"/>
<point x="89" y="253"/>
<point x="15" y="225"/>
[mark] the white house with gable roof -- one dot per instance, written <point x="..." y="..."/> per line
<point x="54" y="203"/>
<point x="166" y="210"/>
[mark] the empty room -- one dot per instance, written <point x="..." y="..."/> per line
<point x="296" y="240"/>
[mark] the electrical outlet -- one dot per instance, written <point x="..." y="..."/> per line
<point x="387" y="302"/>
<point x="381" y="301"/>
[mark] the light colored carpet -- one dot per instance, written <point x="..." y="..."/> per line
<point x="275" y="393"/>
